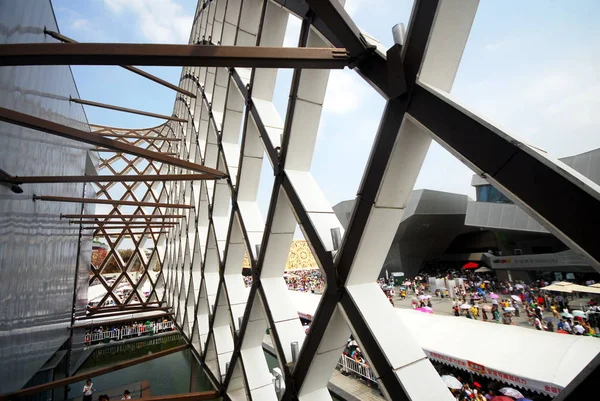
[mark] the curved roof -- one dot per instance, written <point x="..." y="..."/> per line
<point x="519" y="356"/>
<point x="536" y="356"/>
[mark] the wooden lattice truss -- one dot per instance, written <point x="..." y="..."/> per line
<point x="139" y="280"/>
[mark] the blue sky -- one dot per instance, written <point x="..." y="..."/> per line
<point x="531" y="67"/>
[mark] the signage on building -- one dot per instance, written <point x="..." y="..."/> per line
<point x="538" y="261"/>
<point x="517" y="381"/>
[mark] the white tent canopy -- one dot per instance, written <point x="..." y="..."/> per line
<point x="565" y="286"/>
<point x="96" y="292"/>
<point x="306" y="303"/>
<point x="531" y="359"/>
<point x="535" y="360"/>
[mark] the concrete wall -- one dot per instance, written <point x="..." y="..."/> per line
<point x="38" y="251"/>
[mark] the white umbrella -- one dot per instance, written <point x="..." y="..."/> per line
<point x="509" y="309"/>
<point x="511" y="392"/>
<point x="427" y="296"/>
<point x="579" y="313"/>
<point x="421" y="297"/>
<point x="516" y="298"/>
<point x="466" y="306"/>
<point x="519" y="286"/>
<point x="452" y="382"/>
<point x="567" y="315"/>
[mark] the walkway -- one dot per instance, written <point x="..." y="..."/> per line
<point x="346" y="387"/>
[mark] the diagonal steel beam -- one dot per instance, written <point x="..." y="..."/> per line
<point x="135" y="70"/>
<point x="334" y="23"/>
<point x="25" y="120"/>
<point x="521" y="172"/>
<point x="127" y="110"/>
<point x="172" y="55"/>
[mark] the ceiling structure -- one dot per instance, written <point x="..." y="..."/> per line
<point x="226" y="88"/>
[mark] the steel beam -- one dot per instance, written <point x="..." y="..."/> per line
<point x="171" y="55"/>
<point x="521" y="172"/>
<point x="142" y="73"/>
<point x="25" y="120"/>
<point x="110" y="202"/>
<point x="122" y="216"/>
<point x="108" y="178"/>
<point x="127" y="110"/>
<point x="334" y="23"/>
<point x="196" y="396"/>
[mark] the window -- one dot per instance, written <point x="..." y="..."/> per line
<point x="487" y="193"/>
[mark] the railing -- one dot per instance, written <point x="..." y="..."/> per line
<point x="119" y="334"/>
<point x="347" y="364"/>
<point x="132" y="346"/>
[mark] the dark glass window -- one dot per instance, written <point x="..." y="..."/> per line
<point x="487" y="193"/>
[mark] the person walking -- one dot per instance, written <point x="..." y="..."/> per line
<point x="88" y="389"/>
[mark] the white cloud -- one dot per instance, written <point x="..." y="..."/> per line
<point x="345" y="92"/>
<point x="159" y="21"/>
<point x="80" y="24"/>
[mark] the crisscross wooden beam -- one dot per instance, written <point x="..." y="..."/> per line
<point x="122" y="216"/>
<point x="112" y="151"/>
<point x="109" y="202"/>
<point x="127" y="110"/>
<point x="173" y="55"/>
<point x="123" y="223"/>
<point x="108" y="178"/>
<point x="25" y="120"/>
<point x="134" y="136"/>
<point x="128" y="233"/>
<point x="142" y="73"/>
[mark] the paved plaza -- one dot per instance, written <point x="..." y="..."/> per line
<point x="443" y="306"/>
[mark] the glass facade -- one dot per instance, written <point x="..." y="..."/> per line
<point x="487" y="193"/>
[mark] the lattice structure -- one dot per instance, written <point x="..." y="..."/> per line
<point x="135" y="283"/>
<point x="232" y="125"/>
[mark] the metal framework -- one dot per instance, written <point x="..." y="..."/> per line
<point x="142" y="73"/>
<point x="224" y="322"/>
<point x="201" y="258"/>
<point x="171" y="55"/>
<point x="126" y="110"/>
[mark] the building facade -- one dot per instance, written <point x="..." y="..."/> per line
<point x="440" y="229"/>
<point x="44" y="262"/>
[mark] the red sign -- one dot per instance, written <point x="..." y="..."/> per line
<point x="535" y="385"/>
<point x="475" y="367"/>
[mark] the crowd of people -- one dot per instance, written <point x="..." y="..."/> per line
<point x="466" y="387"/>
<point x="128" y="330"/>
<point x="305" y="280"/>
